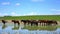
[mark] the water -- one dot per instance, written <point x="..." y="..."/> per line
<point x="9" y="29"/>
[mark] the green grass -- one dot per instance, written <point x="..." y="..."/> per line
<point x="33" y="17"/>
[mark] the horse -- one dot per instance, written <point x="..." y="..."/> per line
<point x="48" y="22"/>
<point x="16" y="21"/>
<point x="51" y="22"/>
<point x="34" y="22"/>
<point x="25" y="21"/>
<point x="3" y="21"/>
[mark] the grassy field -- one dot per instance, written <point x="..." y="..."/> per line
<point x="33" y="17"/>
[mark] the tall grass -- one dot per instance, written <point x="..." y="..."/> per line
<point x="34" y="17"/>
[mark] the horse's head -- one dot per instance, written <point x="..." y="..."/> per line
<point x="4" y="21"/>
<point x="13" y="20"/>
<point x="55" y="22"/>
<point x="22" y="20"/>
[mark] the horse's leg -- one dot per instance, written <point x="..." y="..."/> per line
<point x="14" y="24"/>
<point x="24" y="23"/>
<point x="31" y="24"/>
<point x="28" y="23"/>
<point x="18" y="24"/>
<point x="4" y="23"/>
<point x="36" y="24"/>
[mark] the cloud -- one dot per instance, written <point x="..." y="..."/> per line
<point x="14" y="14"/>
<point x="4" y="14"/>
<point x="0" y="14"/>
<point x="37" y="0"/>
<point x="17" y="4"/>
<point x="31" y="13"/>
<point x="56" y="11"/>
<point x="5" y="3"/>
<point x="11" y="14"/>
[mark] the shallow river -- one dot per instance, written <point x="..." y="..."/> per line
<point x="9" y="29"/>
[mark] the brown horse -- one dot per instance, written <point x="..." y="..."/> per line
<point x="48" y="22"/>
<point x="3" y="21"/>
<point x="33" y="22"/>
<point x="25" y="21"/>
<point x="51" y="22"/>
<point x="29" y="22"/>
<point x="16" y="21"/>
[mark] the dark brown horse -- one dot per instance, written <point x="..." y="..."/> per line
<point x="48" y="22"/>
<point x="29" y="22"/>
<point x="3" y="21"/>
<point x="33" y="22"/>
<point x="16" y="21"/>
<point x="25" y="21"/>
<point x="52" y="22"/>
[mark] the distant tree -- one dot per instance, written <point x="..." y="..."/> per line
<point x="7" y="16"/>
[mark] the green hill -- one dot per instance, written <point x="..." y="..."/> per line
<point x="33" y="17"/>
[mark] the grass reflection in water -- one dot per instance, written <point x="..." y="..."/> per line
<point x="50" y="28"/>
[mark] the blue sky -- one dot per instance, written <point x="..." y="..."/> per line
<point x="29" y="7"/>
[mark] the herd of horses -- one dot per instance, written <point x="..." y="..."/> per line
<point x="35" y="22"/>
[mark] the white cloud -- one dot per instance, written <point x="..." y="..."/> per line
<point x="11" y="14"/>
<point x="56" y="11"/>
<point x="5" y="3"/>
<point x="14" y="14"/>
<point x="0" y="14"/>
<point x="31" y="13"/>
<point x="17" y="4"/>
<point x="3" y="14"/>
<point x="37" y="0"/>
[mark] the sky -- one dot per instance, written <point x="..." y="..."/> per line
<point x="29" y="7"/>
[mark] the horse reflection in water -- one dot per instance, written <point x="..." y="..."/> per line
<point x="4" y="26"/>
<point x="4" y="22"/>
<point x="16" y="27"/>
